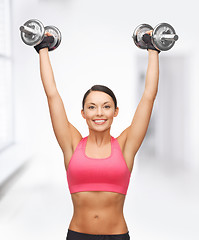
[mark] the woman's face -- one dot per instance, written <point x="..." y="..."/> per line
<point x="99" y="111"/>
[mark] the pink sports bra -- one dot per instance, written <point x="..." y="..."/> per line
<point x="109" y="174"/>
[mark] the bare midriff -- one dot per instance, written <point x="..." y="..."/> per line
<point x="98" y="213"/>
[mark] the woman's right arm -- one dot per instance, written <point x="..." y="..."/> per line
<point x="66" y="134"/>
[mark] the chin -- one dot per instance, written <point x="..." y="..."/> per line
<point x="100" y="129"/>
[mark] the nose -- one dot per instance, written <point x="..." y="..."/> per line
<point x="99" y="111"/>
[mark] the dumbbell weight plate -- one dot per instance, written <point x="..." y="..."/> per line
<point x="56" y="34"/>
<point x="32" y="39"/>
<point x="138" y="34"/>
<point x="162" y="28"/>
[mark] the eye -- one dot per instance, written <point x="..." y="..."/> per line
<point x="107" y="106"/>
<point x="91" y="107"/>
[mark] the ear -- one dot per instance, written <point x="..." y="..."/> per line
<point x="82" y="112"/>
<point x="116" y="112"/>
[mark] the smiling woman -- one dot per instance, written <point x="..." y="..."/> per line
<point x="99" y="166"/>
<point x="99" y="107"/>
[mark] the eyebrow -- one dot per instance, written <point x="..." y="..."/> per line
<point x="95" y="104"/>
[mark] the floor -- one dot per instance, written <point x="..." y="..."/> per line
<point x="160" y="204"/>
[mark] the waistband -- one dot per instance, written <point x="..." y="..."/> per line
<point x="119" y="235"/>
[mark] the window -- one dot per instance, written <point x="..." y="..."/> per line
<point x="6" y="84"/>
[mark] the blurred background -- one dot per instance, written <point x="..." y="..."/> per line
<point x="97" y="48"/>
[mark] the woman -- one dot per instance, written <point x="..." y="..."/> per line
<point x="98" y="166"/>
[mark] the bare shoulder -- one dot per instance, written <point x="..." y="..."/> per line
<point x="129" y="158"/>
<point x="76" y="137"/>
<point x="122" y="139"/>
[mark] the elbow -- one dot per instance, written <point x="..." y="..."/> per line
<point x="151" y="95"/>
<point x="52" y="94"/>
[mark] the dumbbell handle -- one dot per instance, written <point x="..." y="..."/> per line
<point x="28" y="30"/>
<point x="173" y="37"/>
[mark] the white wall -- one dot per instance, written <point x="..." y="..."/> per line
<point x="96" y="48"/>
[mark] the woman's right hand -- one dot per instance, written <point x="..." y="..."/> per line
<point x="46" y="42"/>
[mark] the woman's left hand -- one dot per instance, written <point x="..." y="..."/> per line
<point x="147" y="38"/>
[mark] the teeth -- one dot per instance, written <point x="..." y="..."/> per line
<point x="99" y="121"/>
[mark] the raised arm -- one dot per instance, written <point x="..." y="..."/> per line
<point x="134" y="135"/>
<point x="66" y="134"/>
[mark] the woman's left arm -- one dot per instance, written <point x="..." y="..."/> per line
<point x="135" y="133"/>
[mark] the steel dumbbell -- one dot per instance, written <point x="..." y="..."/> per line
<point x="33" y="32"/>
<point x="163" y="36"/>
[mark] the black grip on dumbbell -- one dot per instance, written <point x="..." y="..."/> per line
<point x="46" y="42"/>
<point x="147" y="39"/>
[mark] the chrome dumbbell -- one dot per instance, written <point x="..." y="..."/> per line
<point x="163" y="36"/>
<point x="33" y="32"/>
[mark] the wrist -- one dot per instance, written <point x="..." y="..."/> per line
<point x="155" y="52"/>
<point x="43" y="50"/>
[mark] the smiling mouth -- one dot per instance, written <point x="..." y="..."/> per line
<point x="99" y="121"/>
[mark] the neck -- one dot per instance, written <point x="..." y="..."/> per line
<point x="100" y="138"/>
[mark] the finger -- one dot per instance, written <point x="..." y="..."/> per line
<point x="48" y="34"/>
<point x="149" y="32"/>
